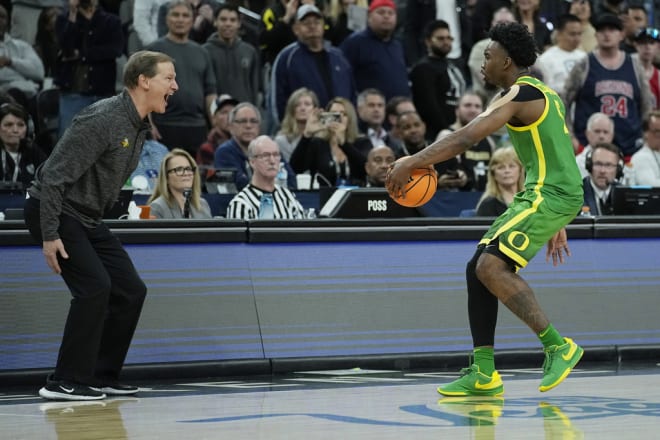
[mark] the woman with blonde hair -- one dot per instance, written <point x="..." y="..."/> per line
<point x="327" y="148"/>
<point x="178" y="192"/>
<point x="299" y="106"/>
<point x="506" y="178"/>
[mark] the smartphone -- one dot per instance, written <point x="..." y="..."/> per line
<point x="328" y="117"/>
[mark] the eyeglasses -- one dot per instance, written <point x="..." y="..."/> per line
<point x="246" y="121"/>
<point x="180" y="171"/>
<point x="266" y="156"/>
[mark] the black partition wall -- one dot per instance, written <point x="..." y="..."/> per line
<point x="269" y="292"/>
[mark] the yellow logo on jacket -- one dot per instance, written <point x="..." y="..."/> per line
<point x="124" y="143"/>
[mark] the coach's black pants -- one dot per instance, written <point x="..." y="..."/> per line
<point x="107" y="299"/>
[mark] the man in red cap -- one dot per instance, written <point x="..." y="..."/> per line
<point x="376" y="56"/>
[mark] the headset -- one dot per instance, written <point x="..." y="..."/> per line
<point x="589" y="164"/>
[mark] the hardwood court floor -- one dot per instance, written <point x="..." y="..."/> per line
<point x="599" y="403"/>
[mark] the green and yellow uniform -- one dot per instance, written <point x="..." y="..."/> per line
<point x="553" y="186"/>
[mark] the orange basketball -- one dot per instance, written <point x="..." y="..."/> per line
<point x="420" y="188"/>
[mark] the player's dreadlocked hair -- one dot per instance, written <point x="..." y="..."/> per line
<point x="516" y="39"/>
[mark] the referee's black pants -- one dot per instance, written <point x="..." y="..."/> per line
<point x="107" y="299"/>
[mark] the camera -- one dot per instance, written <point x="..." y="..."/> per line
<point x="327" y="117"/>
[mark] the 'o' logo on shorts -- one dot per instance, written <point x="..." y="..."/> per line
<point x="518" y="240"/>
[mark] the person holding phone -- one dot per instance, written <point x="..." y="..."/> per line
<point x="327" y="148"/>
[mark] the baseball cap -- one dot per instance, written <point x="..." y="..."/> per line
<point x="647" y="34"/>
<point x="381" y="4"/>
<point x="608" y="20"/>
<point x="221" y="101"/>
<point x="307" y="9"/>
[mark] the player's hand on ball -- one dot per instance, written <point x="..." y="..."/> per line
<point x="398" y="176"/>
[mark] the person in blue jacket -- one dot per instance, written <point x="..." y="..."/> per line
<point x="310" y="62"/>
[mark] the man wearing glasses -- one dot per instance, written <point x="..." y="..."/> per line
<point x="244" y="126"/>
<point x="262" y="197"/>
<point x="605" y="166"/>
<point x="80" y="180"/>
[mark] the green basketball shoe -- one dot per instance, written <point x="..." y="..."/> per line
<point x="559" y="361"/>
<point x="473" y="383"/>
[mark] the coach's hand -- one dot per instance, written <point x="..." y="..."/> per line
<point x="51" y="249"/>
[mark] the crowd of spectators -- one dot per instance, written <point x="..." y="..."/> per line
<point x="330" y="80"/>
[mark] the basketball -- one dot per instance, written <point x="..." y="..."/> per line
<point x="420" y="188"/>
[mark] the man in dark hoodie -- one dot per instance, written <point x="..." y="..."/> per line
<point x="80" y="181"/>
<point x="437" y="84"/>
<point x="235" y="63"/>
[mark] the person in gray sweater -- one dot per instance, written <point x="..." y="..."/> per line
<point x="64" y="210"/>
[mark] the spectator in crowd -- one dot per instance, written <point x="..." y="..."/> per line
<point x="327" y="148"/>
<point x="202" y="24"/>
<point x="337" y="18"/>
<point x="90" y="40"/>
<point x="371" y="115"/>
<point x="582" y="10"/>
<point x="248" y="204"/>
<point x="376" y="55"/>
<point x="145" y="20"/>
<point x="646" y="161"/>
<point x="184" y="124"/>
<point x="611" y="81"/>
<point x="45" y="43"/>
<point x="235" y="63"/>
<point x="219" y="132"/>
<point x="377" y="165"/>
<point x="476" y="59"/>
<point x="605" y="166"/>
<point x="474" y="161"/>
<point x="527" y="12"/>
<point x="420" y="13"/>
<point x="25" y="17"/>
<point x="310" y="62"/>
<point x="299" y="106"/>
<point x="244" y="123"/>
<point x="634" y="19"/>
<point x="506" y="178"/>
<point x="20" y="157"/>
<point x="437" y="84"/>
<point x="413" y="132"/>
<point x="558" y="60"/>
<point x="646" y="46"/>
<point x="600" y="129"/>
<point x="20" y="66"/>
<point x="178" y="193"/>
<point x="395" y="107"/>
<point x="277" y="30"/>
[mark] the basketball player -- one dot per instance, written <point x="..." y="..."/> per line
<point x="79" y="181"/>
<point x="534" y="117"/>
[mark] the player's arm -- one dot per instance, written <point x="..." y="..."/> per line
<point x="496" y="115"/>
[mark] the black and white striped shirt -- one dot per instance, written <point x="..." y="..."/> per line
<point x="245" y="204"/>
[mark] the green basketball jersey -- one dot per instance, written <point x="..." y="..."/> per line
<point x="545" y="149"/>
